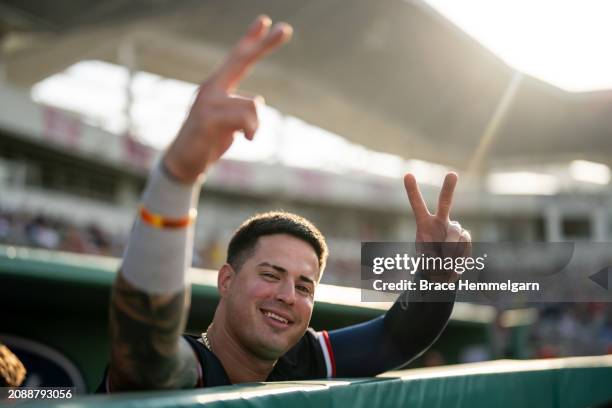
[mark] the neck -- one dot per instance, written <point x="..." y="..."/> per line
<point x="239" y="363"/>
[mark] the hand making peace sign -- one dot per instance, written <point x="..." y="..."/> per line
<point x="438" y="227"/>
<point x="217" y="113"/>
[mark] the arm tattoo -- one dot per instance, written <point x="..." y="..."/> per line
<point x="147" y="349"/>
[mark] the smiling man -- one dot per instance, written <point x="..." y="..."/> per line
<point x="275" y="261"/>
<point x="265" y="308"/>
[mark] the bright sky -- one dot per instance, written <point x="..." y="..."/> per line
<point x="96" y="91"/>
<point x="563" y="42"/>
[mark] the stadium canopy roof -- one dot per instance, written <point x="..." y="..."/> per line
<point x="390" y="74"/>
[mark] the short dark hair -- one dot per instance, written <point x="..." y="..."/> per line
<point x="243" y="242"/>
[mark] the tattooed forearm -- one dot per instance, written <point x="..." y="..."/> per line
<point x="147" y="350"/>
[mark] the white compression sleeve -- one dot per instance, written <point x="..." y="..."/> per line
<point x="156" y="260"/>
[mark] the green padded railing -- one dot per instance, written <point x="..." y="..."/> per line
<point x="556" y="383"/>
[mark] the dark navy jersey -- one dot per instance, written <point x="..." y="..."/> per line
<point x="311" y="358"/>
<point x="305" y="361"/>
<point x="362" y="350"/>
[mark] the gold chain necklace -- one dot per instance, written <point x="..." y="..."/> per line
<point x="205" y="338"/>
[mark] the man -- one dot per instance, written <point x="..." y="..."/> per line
<point x="275" y="261"/>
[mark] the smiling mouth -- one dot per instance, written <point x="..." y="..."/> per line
<point x="276" y="318"/>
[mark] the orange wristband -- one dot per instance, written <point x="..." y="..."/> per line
<point x="159" y="221"/>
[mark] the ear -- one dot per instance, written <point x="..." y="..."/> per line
<point x="225" y="277"/>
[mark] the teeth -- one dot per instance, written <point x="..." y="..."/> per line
<point x="276" y="317"/>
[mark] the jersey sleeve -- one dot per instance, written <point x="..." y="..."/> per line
<point x="390" y="341"/>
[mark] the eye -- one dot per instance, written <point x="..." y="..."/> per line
<point x="304" y="289"/>
<point x="270" y="275"/>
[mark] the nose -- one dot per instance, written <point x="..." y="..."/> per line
<point x="286" y="292"/>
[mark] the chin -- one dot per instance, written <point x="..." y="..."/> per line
<point x="279" y="344"/>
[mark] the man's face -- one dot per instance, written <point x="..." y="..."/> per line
<point x="269" y="301"/>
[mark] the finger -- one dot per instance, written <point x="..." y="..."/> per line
<point x="465" y="243"/>
<point x="445" y="200"/>
<point x="419" y="208"/>
<point x="453" y="232"/>
<point x="248" y="104"/>
<point x="251" y="103"/>
<point x="258" y="42"/>
<point x="239" y="118"/>
<point x="247" y="95"/>
<point x="222" y="74"/>
<point x="248" y="108"/>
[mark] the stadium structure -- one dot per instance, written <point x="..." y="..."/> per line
<point x="407" y="83"/>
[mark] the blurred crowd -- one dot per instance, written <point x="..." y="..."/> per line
<point x="23" y="228"/>
<point x="568" y="329"/>
<point x="43" y="231"/>
<point x="561" y="329"/>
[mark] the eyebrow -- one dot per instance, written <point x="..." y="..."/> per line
<point x="283" y="270"/>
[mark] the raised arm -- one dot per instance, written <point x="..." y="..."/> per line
<point x="411" y="325"/>
<point x="150" y="299"/>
